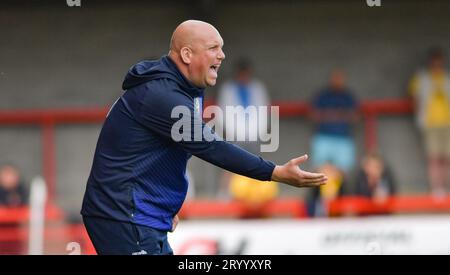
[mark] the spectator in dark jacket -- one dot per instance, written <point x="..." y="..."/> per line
<point x="375" y="180"/>
<point x="12" y="191"/>
<point x="334" y="114"/>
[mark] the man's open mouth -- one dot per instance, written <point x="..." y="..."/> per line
<point x="215" y="67"/>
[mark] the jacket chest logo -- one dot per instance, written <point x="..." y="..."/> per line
<point x="198" y="106"/>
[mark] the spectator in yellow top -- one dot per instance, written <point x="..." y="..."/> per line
<point x="430" y="89"/>
<point x="253" y="193"/>
<point x="319" y="198"/>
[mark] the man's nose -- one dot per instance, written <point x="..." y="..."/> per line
<point x="221" y="55"/>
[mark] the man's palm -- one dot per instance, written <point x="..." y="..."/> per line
<point x="290" y="173"/>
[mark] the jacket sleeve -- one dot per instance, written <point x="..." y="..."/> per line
<point x="156" y="114"/>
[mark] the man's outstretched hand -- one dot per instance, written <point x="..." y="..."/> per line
<point x="291" y="174"/>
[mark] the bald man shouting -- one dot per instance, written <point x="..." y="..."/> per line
<point x="138" y="180"/>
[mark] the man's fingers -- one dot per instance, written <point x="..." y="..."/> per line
<point x="323" y="179"/>
<point x="315" y="182"/>
<point x="300" y="160"/>
<point x="308" y="183"/>
<point x="309" y="175"/>
<point x="300" y="181"/>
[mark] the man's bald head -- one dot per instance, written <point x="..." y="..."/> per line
<point x="196" y="48"/>
<point x="190" y="32"/>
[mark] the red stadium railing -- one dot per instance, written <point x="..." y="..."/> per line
<point x="47" y="120"/>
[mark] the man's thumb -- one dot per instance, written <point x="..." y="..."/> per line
<point x="300" y="160"/>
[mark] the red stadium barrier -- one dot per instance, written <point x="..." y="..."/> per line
<point x="397" y="205"/>
<point x="237" y="209"/>
<point x="14" y="229"/>
<point x="17" y="215"/>
<point x="14" y="240"/>
<point x="350" y="205"/>
<point x="14" y="232"/>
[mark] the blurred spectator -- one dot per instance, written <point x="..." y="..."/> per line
<point x="430" y="88"/>
<point x="12" y="191"/>
<point x="334" y="112"/>
<point x="244" y="90"/>
<point x="254" y="193"/>
<point x="334" y="188"/>
<point x="374" y="179"/>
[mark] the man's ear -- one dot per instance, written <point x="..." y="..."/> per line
<point x="186" y="55"/>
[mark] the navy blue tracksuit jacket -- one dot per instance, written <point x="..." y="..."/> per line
<point x="139" y="172"/>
